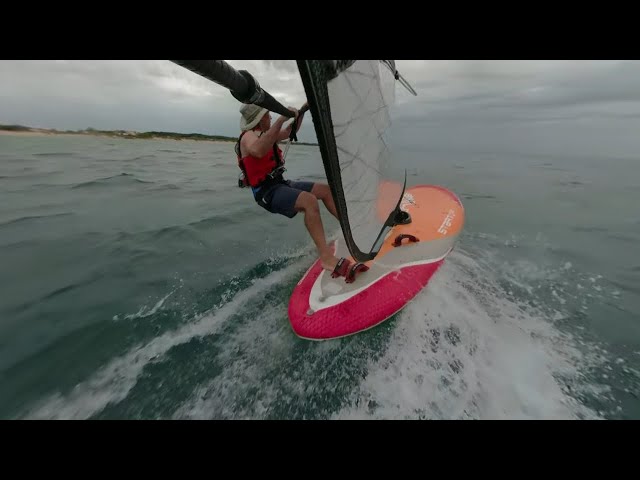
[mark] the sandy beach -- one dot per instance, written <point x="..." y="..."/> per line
<point x="37" y="134"/>
<point x="44" y="133"/>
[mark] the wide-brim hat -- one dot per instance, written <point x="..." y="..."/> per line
<point x="250" y="116"/>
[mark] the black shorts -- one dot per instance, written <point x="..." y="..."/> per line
<point x="281" y="198"/>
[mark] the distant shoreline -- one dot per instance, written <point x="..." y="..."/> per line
<point x="21" y="130"/>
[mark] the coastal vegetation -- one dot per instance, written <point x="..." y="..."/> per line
<point x="128" y="134"/>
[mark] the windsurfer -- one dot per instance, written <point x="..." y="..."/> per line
<point x="261" y="162"/>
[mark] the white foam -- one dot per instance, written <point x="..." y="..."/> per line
<point x="143" y="312"/>
<point x="461" y="350"/>
<point x="251" y="382"/>
<point x="113" y="382"/>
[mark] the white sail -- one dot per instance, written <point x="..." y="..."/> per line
<point x="352" y="100"/>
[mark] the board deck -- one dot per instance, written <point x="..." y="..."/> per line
<point x="323" y="308"/>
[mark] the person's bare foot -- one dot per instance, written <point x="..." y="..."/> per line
<point x="329" y="262"/>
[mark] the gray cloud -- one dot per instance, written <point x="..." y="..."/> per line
<point x="493" y="103"/>
<point x="285" y="65"/>
<point x="138" y="95"/>
<point x="515" y="84"/>
<point x="565" y="107"/>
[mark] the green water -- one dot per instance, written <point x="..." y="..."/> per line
<point x="138" y="281"/>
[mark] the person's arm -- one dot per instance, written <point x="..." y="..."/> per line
<point x="260" y="146"/>
<point x="284" y="134"/>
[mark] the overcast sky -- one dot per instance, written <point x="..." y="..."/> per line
<point x="460" y="104"/>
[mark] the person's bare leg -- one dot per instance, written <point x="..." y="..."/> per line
<point x="308" y="204"/>
<point x="323" y="192"/>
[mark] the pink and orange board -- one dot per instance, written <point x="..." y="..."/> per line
<point x="323" y="308"/>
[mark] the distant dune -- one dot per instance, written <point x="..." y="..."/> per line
<point x="128" y="134"/>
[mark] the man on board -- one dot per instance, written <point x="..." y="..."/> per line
<point x="260" y="160"/>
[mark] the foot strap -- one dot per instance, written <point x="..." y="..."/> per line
<point x="341" y="268"/>
<point x="398" y="241"/>
<point x="354" y="270"/>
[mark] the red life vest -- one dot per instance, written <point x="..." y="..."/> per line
<point x="257" y="170"/>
